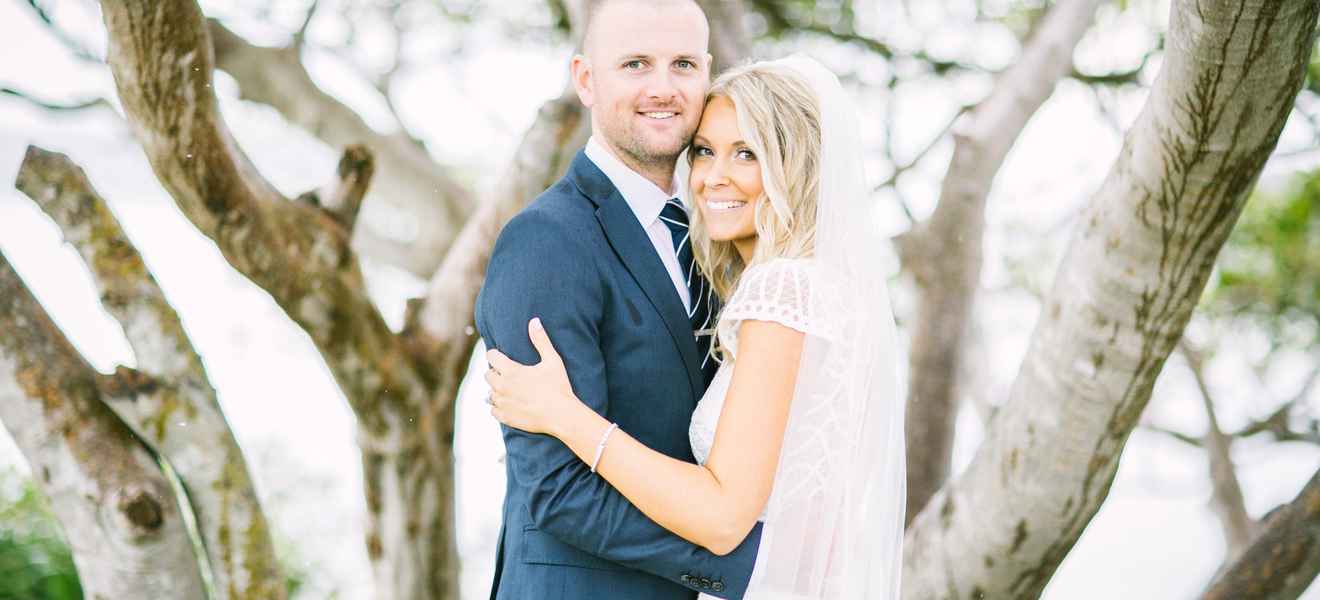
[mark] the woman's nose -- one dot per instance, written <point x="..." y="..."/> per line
<point x="715" y="176"/>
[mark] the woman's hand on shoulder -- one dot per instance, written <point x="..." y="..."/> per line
<point x="534" y="398"/>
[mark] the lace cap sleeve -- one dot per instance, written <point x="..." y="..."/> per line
<point x="782" y="290"/>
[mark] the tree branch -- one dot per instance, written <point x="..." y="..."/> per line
<point x="75" y="47"/>
<point x="780" y="24"/>
<point x="1229" y="505"/>
<point x="341" y="198"/>
<point x="171" y="404"/>
<point x="409" y="181"/>
<point x="1124" y="292"/>
<point x="944" y="254"/>
<point x="96" y="103"/>
<point x="1283" y="561"/>
<point x="117" y="510"/>
<point x="261" y="233"/>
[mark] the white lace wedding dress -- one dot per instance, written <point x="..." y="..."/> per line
<point x="834" y="520"/>
<point x="781" y="291"/>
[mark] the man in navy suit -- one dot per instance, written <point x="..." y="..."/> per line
<point x="602" y="257"/>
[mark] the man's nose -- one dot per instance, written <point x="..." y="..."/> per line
<point x="660" y="86"/>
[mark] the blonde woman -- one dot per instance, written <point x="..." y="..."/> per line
<point x="801" y="427"/>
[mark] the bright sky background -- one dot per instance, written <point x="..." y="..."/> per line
<point x="1155" y="537"/>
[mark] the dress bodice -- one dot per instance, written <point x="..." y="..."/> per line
<point x="777" y="290"/>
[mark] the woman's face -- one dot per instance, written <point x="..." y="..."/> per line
<point x="726" y="177"/>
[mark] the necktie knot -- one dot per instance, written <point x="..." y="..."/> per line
<point x="675" y="217"/>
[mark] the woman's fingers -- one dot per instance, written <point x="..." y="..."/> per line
<point x="498" y="361"/>
<point x="496" y="380"/>
<point x="541" y="340"/>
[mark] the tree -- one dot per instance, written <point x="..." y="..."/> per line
<point x="1133" y="274"/>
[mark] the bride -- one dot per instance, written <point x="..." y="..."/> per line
<point x="801" y="427"/>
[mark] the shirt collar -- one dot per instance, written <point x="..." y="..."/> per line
<point x="644" y="197"/>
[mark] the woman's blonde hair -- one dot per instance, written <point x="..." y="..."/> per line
<point x="779" y="119"/>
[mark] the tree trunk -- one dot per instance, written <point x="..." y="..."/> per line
<point x="168" y="401"/>
<point x="118" y="511"/>
<point x="944" y="253"/>
<point x="1123" y="294"/>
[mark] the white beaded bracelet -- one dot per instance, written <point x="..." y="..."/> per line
<point x="600" y="448"/>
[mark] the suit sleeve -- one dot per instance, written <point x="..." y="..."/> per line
<point x="539" y="269"/>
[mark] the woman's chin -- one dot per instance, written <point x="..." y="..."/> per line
<point x="725" y="235"/>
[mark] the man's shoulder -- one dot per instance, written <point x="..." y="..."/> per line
<point x="560" y="218"/>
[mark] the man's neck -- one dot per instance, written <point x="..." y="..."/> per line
<point x="659" y="174"/>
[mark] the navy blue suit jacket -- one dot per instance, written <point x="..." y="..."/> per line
<point x="578" y="258"/>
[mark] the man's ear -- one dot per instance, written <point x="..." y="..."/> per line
<point x="710" y="64"/>
<point x="581" y="73"/>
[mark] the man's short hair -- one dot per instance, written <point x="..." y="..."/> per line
<point x="593" y="9"/>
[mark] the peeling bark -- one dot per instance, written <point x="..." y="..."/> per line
<point x="117" y="509"/>
<point x="169" y="402"/>
<point x="944" y="253"/>
<point x="1283" y="561"/>
<point x="1123" y="294"/>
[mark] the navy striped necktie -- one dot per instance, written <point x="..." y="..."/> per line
<point x="704" y="303"/>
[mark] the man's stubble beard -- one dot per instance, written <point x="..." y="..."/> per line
<point x="628" y="142"/>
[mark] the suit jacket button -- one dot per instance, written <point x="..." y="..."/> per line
<point x="718" y="586"/>
<point x="705" y="583"/>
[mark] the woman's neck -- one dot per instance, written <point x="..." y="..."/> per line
<point x="746" y="247"/>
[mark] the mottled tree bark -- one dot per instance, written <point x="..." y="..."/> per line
<point x="944" y="253"/>
<point x="117" y="509"/>
<point x="1283" y="560"/>
<point x="160" y="55"/>
<point x="1123" y="294"/>
<point x="168" y="401"/>
<point x="401" y="387"/>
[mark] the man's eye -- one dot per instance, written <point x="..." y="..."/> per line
<point x="633" y="64"/>
<point x="685" y="64"/>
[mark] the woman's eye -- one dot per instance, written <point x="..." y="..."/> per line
<point x="746" y="154"/>
<point x="701" y="151"/>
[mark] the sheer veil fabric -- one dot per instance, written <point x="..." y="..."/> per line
<point x="834" y="526"/>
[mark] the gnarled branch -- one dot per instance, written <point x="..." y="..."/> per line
<point x="118" y="511"/>
<point x="408" y="181"/>
<point x="169" y="403"/>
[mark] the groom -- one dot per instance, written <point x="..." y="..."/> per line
<point x="603" y="258"/>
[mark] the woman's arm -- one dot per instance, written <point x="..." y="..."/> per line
<point x="714" y="505"/>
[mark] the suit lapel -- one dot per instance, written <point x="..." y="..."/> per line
<point x="635" y="250"/>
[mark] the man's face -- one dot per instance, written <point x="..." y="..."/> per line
<point x="645" y="77"/>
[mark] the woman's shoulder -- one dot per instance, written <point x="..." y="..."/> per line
<point x="785" y="278"/>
